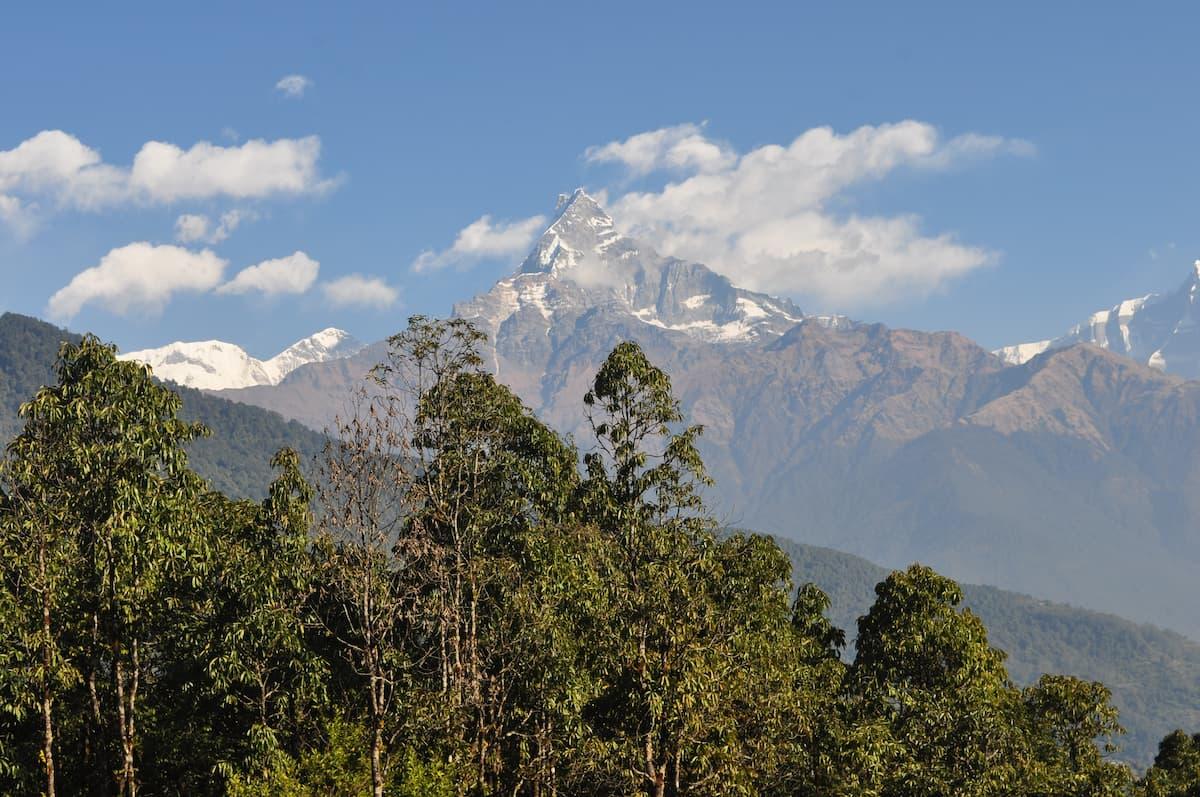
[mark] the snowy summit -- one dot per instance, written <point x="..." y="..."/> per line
<point x="216" y="365"/>
<point x="582" y="261"/>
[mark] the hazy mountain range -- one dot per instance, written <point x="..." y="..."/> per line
<point x="1073" y="476"/>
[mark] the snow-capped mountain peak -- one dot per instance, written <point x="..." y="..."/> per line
<point x="582" y="261"/>
<point x="581" y="231"/>
<point x="1159" y="330"/>
<point x="328" y="344"/>
<point x="217" y="365"/>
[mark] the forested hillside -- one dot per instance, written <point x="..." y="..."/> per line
<point x="461" y="609"/>
<point x="1154" y="674"/>
<point x="235" y="458"/>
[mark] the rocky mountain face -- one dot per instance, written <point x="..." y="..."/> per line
<point x="1159" y="330"/>
<point x="1074" y="476"/>
<point x="216" y="365"/>
<point x="581" y="265"/>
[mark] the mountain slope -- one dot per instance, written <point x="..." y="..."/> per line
<point x="1159" y="330"/>
<point x="214" y="364"/>
<point x="1154" y="674"/>
<point x="235" y="459"/>
<point x="1074" y="477"/>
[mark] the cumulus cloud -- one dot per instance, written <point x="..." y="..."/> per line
<point x="56" y="169"/>
<point x="681" y="147"/>
<point x="193" y="227"/>
<point x="293" y="274"/>
<point x="766" y="218"/>
<point x="138" y="277"/>
<point x="357" y="290"/>
<point x="482" y="239"/>
<point x="59" y="166"/>
<point x="257" y="169"/>
<point x="293" y="85"/>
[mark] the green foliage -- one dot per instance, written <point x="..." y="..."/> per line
<point x="468" y="612"/>
<point x="925" y="675"/>
<point x="1176" y="770"/>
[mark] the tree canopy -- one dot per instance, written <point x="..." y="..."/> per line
<point x="463" y="604"/>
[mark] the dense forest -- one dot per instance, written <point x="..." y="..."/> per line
<point x="457" y="603"/>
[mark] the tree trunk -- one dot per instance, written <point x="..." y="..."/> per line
<point x="94" y="739"/>
<point x="377" y="759"/>
<point x="47" y="662"/>
<point x="126" y="691"/>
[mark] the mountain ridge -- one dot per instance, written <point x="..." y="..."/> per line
<point x="1158" y="330"/>
<point x="1075" y="476"/>
<point x="217" y="365"/>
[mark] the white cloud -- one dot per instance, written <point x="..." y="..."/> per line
<point x="293" y="85"/>
<point x="682" y="147"/>
<point x="16" y="215"/>
<point x="480" y="240"/>
<point x="295" y="273"/>
<point x="193" y="227"/>
<point x="59" y="166"/>
<point x="356" y="290"/>
<point x="138" y="277"/>
<point x="165" y="173"/>
<point x="765" y="218"/>
<point x="57" y="169"/>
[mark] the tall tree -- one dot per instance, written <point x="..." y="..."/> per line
<point x="365" y="606"/>
<point x="491" y="483"/>
<point x="687" y="615"/>
<point x="101" y="462"/>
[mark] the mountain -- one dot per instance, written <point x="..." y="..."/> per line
<point x="1074" y="476"/>
<point x="1154" y="674"/>
<point x="1159" y="330"/>
<point x="582" y="264"/>
<point x="214" y="364"/>
<point x="236" y="459"/>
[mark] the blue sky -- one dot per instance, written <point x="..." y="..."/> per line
<point x="1013" y="169"/>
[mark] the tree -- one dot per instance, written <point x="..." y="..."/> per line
<point x="261" y="584"/>
<point x="1176" y="770"/>
<point x="1072" y="726"/>
<point x="39" y="562"/>
<point x="100" y="466"/>
<point x="931" y="697"/>
<point x="491" y="487"/>
<point x="689" y="619"/>
<point x="364" y="607"/>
